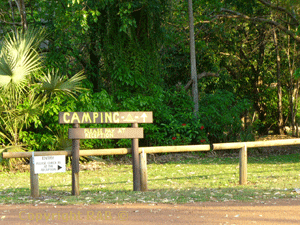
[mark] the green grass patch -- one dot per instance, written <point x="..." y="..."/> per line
<point x="189" y="180"/>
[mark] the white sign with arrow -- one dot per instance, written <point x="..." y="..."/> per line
<point x="49" y="164"/>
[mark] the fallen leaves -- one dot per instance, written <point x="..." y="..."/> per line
<point x="297" y="190"/>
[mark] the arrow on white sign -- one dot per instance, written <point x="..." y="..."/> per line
<point x="49" y="164"/>
<point x="144" y="116"/>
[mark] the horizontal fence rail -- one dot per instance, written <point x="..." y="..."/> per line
<point x="112" y="151"/>
<point x="160" y="149"/>
<point x="142" y="151"/>
<point x="256" y="144"/>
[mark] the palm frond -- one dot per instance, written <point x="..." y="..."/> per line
<point x="19" y="58"/>
<point x="73" y="84"/>
<point x="5" y="136"/>
<point x="8" y="128"/>
<point x="5" y="71"/>
<point x="53" y="82"/>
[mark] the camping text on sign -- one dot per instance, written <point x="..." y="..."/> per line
<point x="105" y="117"/>
<point x="49" y="164"/>
<point x="76" y="133"/>
<point x="105" y="133"/>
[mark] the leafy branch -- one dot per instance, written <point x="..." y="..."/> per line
<point x="233" y="14"/>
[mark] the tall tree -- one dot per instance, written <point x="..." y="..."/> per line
<point x="193" y="59"/>
<point x="285" y="19"/>
<point x="279" y="87"/>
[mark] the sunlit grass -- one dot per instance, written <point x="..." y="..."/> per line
<point x="189" y="180"/>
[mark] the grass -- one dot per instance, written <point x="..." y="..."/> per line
<point x="187" y="180"/>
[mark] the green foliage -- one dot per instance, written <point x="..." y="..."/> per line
<point x="189" y="132"/>
<point x="53" y="82"/>
<point x="221" y="113"/>
<point x="174" y="123"/>
<point x="18" y="61"/>
<point x="297" y="73"/>
<point x="24" y="92"/>
<point x="114" y="41"/>
<point x="38" y="141"/>
<point x="94" y="102"/>
<point x="136" y="57"/>
<point x="243" y="6"/>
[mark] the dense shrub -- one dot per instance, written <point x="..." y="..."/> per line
<point x="220" y="113"/>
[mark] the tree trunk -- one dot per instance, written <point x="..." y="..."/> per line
<point x="22" y="11"/>
<point x="12" y="15"/>
<point x="293" y="87"/>
<point x="193" y="60"/>
<point x="279" y="87"/>
<point x="259" y="104"/>
<point x="296" y="91"/>
<point x="293" y="106"/>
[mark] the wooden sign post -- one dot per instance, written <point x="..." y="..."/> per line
<point x="135" y="161"/>
<point x="75" y="163"/>
<point x="76" y="133"/>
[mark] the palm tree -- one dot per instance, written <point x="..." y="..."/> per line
<point x="24" y="88"/>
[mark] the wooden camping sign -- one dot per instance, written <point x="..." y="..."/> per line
<point x="76" y="133"/>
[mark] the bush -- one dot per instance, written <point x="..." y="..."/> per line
<point x="174" y="123"/>
<point x="220" y="113"/>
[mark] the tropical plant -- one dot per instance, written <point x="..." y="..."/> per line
<point x="24" y="88"/>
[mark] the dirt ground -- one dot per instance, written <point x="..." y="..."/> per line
<point x="263" y="213"/>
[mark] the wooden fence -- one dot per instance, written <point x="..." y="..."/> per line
<point x="242" y="146"/>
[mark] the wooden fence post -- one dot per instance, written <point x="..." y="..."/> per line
<point x="143" y="171"/>
<point x="75" y="164"/>
<point x="243" y="165"/>
<point x="136" y="162"/>
<point x="34" y="179"/>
